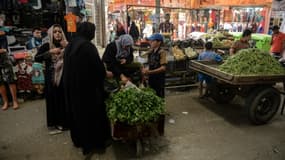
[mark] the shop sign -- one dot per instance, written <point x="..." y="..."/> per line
<point x="148" y="2"/>
<point x="240" y="2"/>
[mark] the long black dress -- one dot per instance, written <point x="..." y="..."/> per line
<point x="54" y="95"/>
<point x="83" y="76"/>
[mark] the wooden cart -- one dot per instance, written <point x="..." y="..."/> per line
<point x="261" y="98"/>
<point x="123" y="131"/>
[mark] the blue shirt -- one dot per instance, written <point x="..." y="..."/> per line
<point x="34" y="42"/>
<point x="208" y="56"/>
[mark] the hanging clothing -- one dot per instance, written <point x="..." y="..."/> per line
<point x="24" y="76"/>
<point x="38" y="74"/>
<point x="70" y="22"/>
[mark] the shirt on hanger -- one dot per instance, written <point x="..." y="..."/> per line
<point x="70" y="22"/>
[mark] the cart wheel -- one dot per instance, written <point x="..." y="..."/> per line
<point x="222" y="94"/>
<point x="139" y="148"/>
<point x="262" y="104"/>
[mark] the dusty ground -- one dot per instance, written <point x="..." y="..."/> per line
<point x="208" y="132"/>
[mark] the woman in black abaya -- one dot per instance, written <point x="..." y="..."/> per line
<point x="83" y="77"/>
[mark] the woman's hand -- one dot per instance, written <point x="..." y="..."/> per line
<point x="145" y="71"/>
<point x="2" y="50"/>
<point x="109" y="74"/>
<point x="124" y="79"/>
<point x="55" y="51"/>
<point x="63" y="43"/>
<point x="123" y="61"/>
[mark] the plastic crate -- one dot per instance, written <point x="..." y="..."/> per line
<point x="262" y="41"/>
<point x="173" y="66"/>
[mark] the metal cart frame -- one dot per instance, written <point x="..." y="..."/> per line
<point x="261" y="98"/>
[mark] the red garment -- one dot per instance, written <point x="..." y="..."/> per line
<point x="277" y="42"/>
<point x="24" y="77"/>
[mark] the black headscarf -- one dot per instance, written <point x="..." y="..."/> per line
<point x="86" y="30"/>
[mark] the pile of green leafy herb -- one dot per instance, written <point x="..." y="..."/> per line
<point x="134" y="106"/>
<point x="252" y="61"/>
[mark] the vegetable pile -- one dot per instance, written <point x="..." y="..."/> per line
<point x="134" y="106"/>
<point x="252" y="62"/>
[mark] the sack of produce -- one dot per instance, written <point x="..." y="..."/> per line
<point x="252" y="61"/>
<point x="178" y="53"/>
<point x="134" y="106"/>
<point x="190" y="53"/>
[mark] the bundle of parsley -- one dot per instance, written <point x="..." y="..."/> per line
<point x="134" y="106"/>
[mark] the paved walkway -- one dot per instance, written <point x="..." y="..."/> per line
<point x="195" y="129"/>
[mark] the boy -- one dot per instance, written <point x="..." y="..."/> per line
<point x="207" y="55"/>
<point x="157" y="65"/>
<point x="36" y="40"/>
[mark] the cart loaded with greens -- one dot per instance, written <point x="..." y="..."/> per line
<point x="251" y="74"/>
<point x="135" y="113"/>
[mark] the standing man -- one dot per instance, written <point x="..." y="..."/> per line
<point x="166" y="27"/>
<point x="277" y="42"/>
<point x="157" y="65"/>
<point x="242" y="43"/>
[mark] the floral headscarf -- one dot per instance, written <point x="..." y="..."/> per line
<point x="124" y="40"/>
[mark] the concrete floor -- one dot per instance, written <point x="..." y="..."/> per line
<point x="199" y="130"/>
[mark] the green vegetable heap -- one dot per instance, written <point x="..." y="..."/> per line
<point x="133" y="106"/>
<point x="252" y="62"/>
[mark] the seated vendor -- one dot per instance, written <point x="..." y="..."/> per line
<point x="243" y="43"/>
<point x="117" y="54"/>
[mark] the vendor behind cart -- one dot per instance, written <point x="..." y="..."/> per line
<point x="117" y="54"/>
<point x="277" y="43"/>
<point x="243" y="43"/>
<point x="207" y="55"/>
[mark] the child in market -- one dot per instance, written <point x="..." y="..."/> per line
<point x="156" y="65"/>
<point x="207" y="55"/>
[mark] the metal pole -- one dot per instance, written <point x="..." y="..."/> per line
<point x="157" y="15"/>
<point x="103" y="20"/>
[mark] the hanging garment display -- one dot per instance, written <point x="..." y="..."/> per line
<point x="24" y="76"/>
<point x="70" y="22"/>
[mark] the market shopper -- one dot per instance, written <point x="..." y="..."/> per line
<point x="117" y="54"/>
<point x="120" y="29"/>
<point x="52" y="54"/>
<point x="84" y="75"/>
<point x="156" y="64"/>
<point x="243" y="43"/>
<point x="36" y="39"/>
<point x="277" y="43"/>
<point x="207" y="55"/>
<point x="134" y="31"/>
<point x="7" y="75"/>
